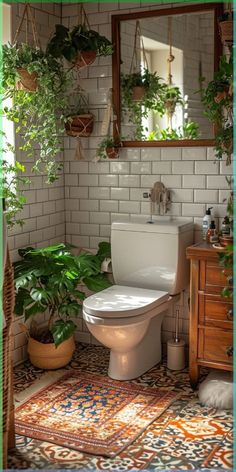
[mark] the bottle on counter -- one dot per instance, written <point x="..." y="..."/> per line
<point x="225" y="228"/>
<point x="206" y="222"/>
<point x="212" y="235"/>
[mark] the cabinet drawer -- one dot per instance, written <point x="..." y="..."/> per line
<point x="215" y="280"/>
<point x="215" y="345"/>
<point x="215" y="311"/>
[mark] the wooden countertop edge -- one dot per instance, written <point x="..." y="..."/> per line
<point x="202" y="250"/>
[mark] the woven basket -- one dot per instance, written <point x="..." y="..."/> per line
<point x="27" y="81"/>
<point x="48" y="356"/>
<point x="7" y="384"/>
<point x="85" y="58"/>
<point x="226" y="31"/>
<point x="80" y="125"/>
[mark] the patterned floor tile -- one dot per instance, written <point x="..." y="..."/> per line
<point x="187" y="436"/>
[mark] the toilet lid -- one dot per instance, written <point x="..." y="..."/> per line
<point x="120" y="301"/>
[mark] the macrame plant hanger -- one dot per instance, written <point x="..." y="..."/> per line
<point x="29" y="21"/>
<point x="170" y="59"/>
<point x="85" y="58"/>
<point x="28" y="81"/>
<point x="138" y="51"/>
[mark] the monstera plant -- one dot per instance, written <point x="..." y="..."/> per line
<point x="49" y="280"/>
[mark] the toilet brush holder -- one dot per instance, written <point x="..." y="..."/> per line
<point x="175" y="354"/>
<point x="175" y="349"/>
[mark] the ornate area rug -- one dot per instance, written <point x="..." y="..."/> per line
<point x="91" y="413"/>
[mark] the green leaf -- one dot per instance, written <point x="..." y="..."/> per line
<point x="40" y="294"/>
<point x="34" y="309"/>
<point x="97" y="283"/>
<point x="62" y="330"/>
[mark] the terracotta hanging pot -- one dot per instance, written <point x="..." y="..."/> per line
<point x="112" y="152"/>
<point x="27" y="82"/>
<point x="138" y="93"/>
<point x="226" y="32"/>
<point x="80" y="125"/>
<point x="85" y="58"/>
<point x="48" y="356"/>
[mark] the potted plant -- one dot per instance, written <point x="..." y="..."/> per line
<point x="150" y="97"/>
<point x="172" y="97"/>
<point x="47" y="279"/>
<point x="80" y="46"/>
<point x="226" y="256"/>
<point x="109" y="148"/>
<point x="79" y="120"/>
<point x="37" y="114"/>
<point x="217" y="99"/>
<point x="226" y="27"/>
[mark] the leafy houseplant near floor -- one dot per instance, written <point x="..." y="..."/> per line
<point x="48" y="279"/>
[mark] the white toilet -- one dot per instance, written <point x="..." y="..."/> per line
<point x="149" y="269"/>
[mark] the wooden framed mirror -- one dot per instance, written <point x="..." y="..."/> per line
<point x="178" y="45"/>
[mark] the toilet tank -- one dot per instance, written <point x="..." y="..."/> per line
<point x="152" y="255"/>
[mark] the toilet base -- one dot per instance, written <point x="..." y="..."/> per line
<point x="131" y="364"/>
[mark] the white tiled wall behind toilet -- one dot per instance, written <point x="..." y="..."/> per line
<point x="97" y="193"/>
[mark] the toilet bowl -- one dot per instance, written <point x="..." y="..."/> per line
<point x="150" y="269"/>
<point x="127" y="320"/>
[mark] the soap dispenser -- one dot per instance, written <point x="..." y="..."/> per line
<point x="206" y="222"/>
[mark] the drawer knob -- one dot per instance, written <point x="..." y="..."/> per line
<point x="230" y="351"/>
<point x="230" y="314"/>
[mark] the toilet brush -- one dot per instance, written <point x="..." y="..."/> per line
<point x="175" y="349"/>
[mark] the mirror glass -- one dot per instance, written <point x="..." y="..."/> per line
<point x="170" y="55"/>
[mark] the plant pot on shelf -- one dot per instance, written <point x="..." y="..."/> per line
<point x="84" y="58"/>
<point x="112" y="152"/>
<point x="138" y="93"/>
<point x="80" y="125"/>
<point x="27" y="82"/>
<point x="48" y="356"/>
<point x="225" y="240"/>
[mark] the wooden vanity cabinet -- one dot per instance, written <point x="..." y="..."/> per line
<point x="211" y="315"/>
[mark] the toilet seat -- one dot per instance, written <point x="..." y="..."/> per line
<point x="120" y="301"/>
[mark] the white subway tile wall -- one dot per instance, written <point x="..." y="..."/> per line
<point x="97" y="193"/>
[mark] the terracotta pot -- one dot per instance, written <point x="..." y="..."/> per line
<point x="226" y="31"/>
<point x="80" y="125"/>
<point x="85" y="58"/>
<point x="27" y="81"/>
<point x="47" y="356"/>
<point x="225" y="240"/>
<point x="138" y="93"/>
<point x="112" y="152"/>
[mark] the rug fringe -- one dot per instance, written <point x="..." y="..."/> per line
<point x="46" y="379"/>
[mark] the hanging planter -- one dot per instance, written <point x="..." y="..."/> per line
<point x="109" y="148"/>
<point x="26" y="68"/>
<point x="226" y="27"/>
<point x="80" y="125"/>
<point x="138" y="93"/>
<point x="112" y="152"/>
<point x="81" y="45"/>
<point x="80" y="121"/>
<point x="84" y="58"/>
<point x="28" y="81"/>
